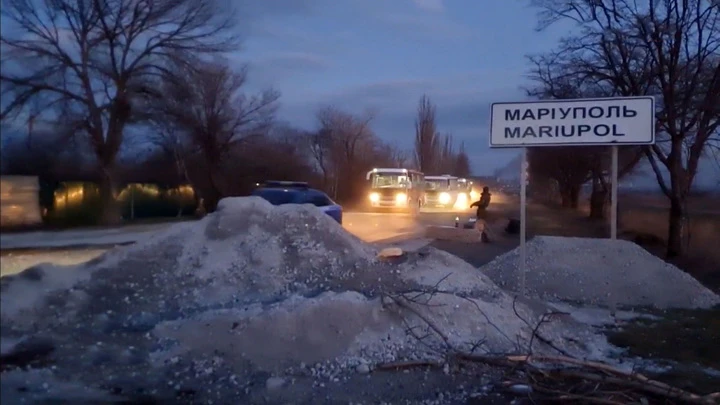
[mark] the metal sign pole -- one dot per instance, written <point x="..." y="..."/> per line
<point x="614" y="195"/>
<point x="523" y="220"/>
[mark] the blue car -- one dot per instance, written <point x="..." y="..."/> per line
<point x="292" y="192"/>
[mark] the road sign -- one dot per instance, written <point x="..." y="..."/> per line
<point x="577" y="122"/>
<point x="581" y="122"/>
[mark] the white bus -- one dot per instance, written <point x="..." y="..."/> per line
<point x="466" y="194"/>
<point x="441" y="191"/>
<point x="396" y="188"/>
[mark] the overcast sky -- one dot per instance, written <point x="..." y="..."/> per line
<point x="384" y="54"/>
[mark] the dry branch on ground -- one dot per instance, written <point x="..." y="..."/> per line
<point x="560" y="378"/>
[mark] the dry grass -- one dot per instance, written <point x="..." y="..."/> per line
<point x="703" y="250"/>
<point x="696" y="204"/>
<point x="704" y="229"/>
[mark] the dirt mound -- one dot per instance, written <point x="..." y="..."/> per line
<point x="214" y="305"/>
<point x="599" y="272"/>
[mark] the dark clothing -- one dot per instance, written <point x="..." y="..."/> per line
<point x="482" y="205"/>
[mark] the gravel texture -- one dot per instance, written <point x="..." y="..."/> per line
<point x="257" y="302"/>
<point x="599" y="272"/>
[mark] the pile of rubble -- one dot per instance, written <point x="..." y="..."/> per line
<point x="251" y="298"/>
<point x="605" y="272"/>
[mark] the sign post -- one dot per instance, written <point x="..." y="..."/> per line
<point x="574" y="122"/>
<point x="523" y="219"/>
<point x="614" y="194"/>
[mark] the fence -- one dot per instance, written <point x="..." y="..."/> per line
<point x="19" y="202"/>
<point x="78" y="203"/>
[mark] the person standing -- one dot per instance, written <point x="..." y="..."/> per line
<point x="481" y="213"/>
<point x="482" y="204"/>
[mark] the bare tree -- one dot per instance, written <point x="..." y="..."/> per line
<point x="265" y="158"/>
<point x="396" y="157"/>
<point x="91" y="59"/>
<point x="344" y="148"/>
<point x="342" y="145"/>
<point x="665" y="48"/>
<point x="205" y="103"/>
<point x="601" y="173"/>
<point x="320" y="143"/>
<point x="446" y="155"/>
<point x="173" y="146"/>
<point x="567" y="166"/>
<point x="462" y="162"/>
<point x="554" y="83"/>
<point x="427" y="142"/>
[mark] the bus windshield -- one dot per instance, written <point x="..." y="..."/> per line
<point x="437" y="184"/>
<point x="389" y="181"/>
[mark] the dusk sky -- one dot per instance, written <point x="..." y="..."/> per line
<point x="384" y="54"/>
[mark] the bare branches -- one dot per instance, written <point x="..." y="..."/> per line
<point x="95" y="60"/>
<point x="206" y="102"/>
<point x="202" y="109"/>
<point x="345" y="147"/>
<point x="72" y="50"/>
<point x="427" y="142"/>
<point x="570" y="167"/>
<point x="435" y="153"/>
<point x="668" y="49"/>
<point x="462" y="163"/>
<point x="540" y="377"/>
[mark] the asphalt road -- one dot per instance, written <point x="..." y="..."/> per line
<point x="22" y="250"/>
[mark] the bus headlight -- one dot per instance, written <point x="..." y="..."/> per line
<point x="462" y="201"/>
<point x="444" y="198"/>
<point x="401" y="198"/>
<point x="374" y="197"/>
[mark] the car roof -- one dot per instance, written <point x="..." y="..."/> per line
<point x="294" y="189"/>
<point x="308" y="192"/>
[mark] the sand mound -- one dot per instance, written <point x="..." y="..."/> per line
<point x="252" y="289"/>
<point x="600" y="272"/>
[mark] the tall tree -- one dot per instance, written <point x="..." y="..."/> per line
<point x="665" y="48"/>
<point x="569" y="167"/>
<point x="205" y="103"/>
<point x="427" y="140"/>
<point x="552" y="82"/>
<point x="462" y="162"/>
<point x="92" y="58"/>
<point x="446" y="161"/>
<point x="343" y="148"/>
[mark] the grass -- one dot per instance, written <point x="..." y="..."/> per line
<point x="685" y="339"/>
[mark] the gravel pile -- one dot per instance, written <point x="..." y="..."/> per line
<point x="251" y="297"/>
<point x="599" y="272"/>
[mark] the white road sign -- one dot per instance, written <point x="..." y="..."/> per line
<point x="580" y="122"/>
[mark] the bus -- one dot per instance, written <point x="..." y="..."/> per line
<point x="466" y="194"/>
<point x="396" y="188"/>
<point x="441" y="191"/>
